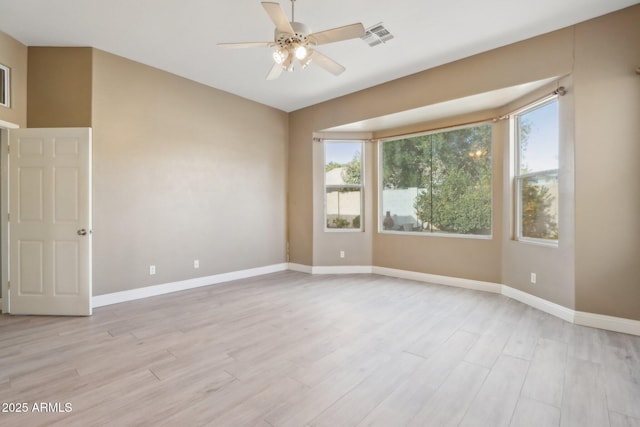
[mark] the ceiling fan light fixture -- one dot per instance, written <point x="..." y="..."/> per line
<point x="280" y="55"/>
<point x="301" y="52"/>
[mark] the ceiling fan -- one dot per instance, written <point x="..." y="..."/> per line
<point x="295" y="41"/>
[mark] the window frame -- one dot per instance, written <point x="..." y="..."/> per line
<point x="5" y="81"/>
<point x="380" y="207"/>
<point x="518" y="178"/>
<point x="360" y="186"/>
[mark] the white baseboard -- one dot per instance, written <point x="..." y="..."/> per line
<point x="342" y="269"/>
<point x="150" y="291"/>
<point x="610" y="323"/>
<point x="300" y="268"/>
<point x="439" y="280"/>
<point x="336" y="269"/>
<point x="539" y="303"/>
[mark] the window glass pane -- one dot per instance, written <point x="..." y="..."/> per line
<point x="406" y="174"/>
<point x="538" y="138"/>
<point x="462" y="181"/>
<point x="343" y="163"/>
<point x="343" y="208"/>
<point x="440" y="182"/>
<point x="343" y="185"/>
<point x="539" y="210"/>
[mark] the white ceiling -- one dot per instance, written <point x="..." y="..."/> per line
<point x="180" y="36"/>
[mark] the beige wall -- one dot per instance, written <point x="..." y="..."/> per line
<point x="300" y="190"/>
<point x="595" y="267"/>
<point x="554" y="266"/>
<point x="181" y="171"/>
<point x="13" y="54"/>
<point x="59" y="80"/>
<point x="607" y="165"/>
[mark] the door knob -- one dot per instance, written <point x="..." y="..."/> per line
<point x="82" y="232"/>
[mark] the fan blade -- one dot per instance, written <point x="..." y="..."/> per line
<point x="278" y="17"/>
<point x="327" y="63"/>
<point x="245" y="45"/>
<point x="347" y="32"/>
<point x="275" y="72"/>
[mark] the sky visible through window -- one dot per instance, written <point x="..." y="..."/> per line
<point x="342" y="152"/>
<point x="541" y="150"/>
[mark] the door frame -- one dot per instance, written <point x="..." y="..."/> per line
<point x="4" y="212"/>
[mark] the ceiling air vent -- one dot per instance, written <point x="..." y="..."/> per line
<point x="376" y="34"/>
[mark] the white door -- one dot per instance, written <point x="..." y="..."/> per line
<point x="50" y="221"/>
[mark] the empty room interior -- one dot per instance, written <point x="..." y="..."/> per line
<point x="320" y="213"/>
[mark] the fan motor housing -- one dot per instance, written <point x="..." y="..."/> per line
<point x="302" y="32"/>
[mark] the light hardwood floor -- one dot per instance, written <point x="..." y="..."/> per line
<point x="289" y="349"/>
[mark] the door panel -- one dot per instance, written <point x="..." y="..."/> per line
<point x="66" y="202"/>
<point x="30" y="260"/>
<point x="66" y="265"/>
<point x="49" y="202"/>
<point x="31" y="207"/>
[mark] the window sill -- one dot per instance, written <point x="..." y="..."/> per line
<point x="538" y="242"/>
<point x="423" y="234"/>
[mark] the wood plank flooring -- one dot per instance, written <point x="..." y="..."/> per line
<point x="289" y="349"/>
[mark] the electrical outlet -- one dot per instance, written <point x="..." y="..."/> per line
<point x="196" y="263"/>
<point x="152" y="270"/>
<point x="341" y="254"/>
<point x="533" y="278"/>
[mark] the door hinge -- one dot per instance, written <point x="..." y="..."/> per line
<point x="8" y="285"/>
<point x="8" y="217"/>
